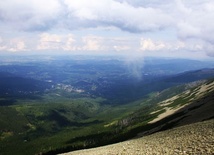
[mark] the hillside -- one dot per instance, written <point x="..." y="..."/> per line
<point x="58" y="117"/>
<point x="173" y="107"/>
<point x="190" y="106"/>
<point x="195" y="138"/>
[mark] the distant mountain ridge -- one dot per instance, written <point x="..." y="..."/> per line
<point x="191" y="76"/>
<point x="13" y="85"/>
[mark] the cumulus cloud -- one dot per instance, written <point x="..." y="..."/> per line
<point x="92" y="43"/>
<point x="69" y="43"/>
<point x="195" y="21"/>
<point x="42" y="15"/>
<point x="118" y="14"/>
<point x="194" y="24"/>
<point x="12" y="45"/>
<point x="190" y="21"/>
<point x="2" y="45"/>
<point x="49" y="41"/>
<point x="122" y="44"/>
<point x="122" y="48"/>
<point x="191" y="18"/>
<point x="148" y="44"/>
<point x="30" y="14"/>
<point x="19" y="46"/>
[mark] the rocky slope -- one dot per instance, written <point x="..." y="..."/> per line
<point x="197" y="138"/>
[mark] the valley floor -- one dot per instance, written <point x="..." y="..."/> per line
<point x="191" y="139"/>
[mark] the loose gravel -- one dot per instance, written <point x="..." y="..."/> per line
<point x="193" y="139"/>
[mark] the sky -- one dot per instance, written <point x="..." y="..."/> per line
<point x="169" y="28"/>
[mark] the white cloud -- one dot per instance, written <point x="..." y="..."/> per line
<point x="43" y="15"/>
<point x="45" y="37"/>
<point x="195" y="24"/>
<point x="191" y="22"/>
<point x="121" y="15"/>
<point x="20" y="45"/>
<point x="191" y="18"/>
<point x="92" y="43"/>
<point x="194" y="20"/>
<point x="12" y="45"/>
<point x="69" y="43"/>
<point x="30" y="14"/>
<point x="2" y="45"/>
<point x="149" y="45"/>
<point x="49" y="41"/>
<point x="122" y="48"/>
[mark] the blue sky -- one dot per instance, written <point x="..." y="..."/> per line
<point x="169" y="28"/>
